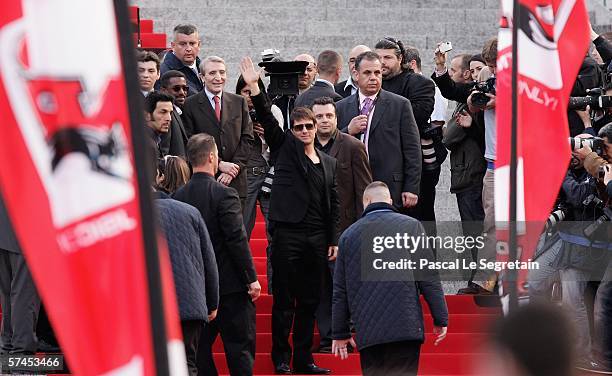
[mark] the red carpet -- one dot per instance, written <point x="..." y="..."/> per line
<point x="454" y="356"/>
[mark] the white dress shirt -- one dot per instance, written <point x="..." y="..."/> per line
<point x="211" y="98"/>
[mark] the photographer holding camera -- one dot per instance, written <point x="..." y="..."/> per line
<point x="587" y="251"/>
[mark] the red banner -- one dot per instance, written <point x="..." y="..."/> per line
<point x="68" y="176"/>
<point x="553" y="37"/>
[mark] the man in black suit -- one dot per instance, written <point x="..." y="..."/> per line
<point x="175" y="83"/>
<point x="348" y="87"/>
<point x="329" y="64"/>
<point x="400" y="79"/>
<point x="353" y="177"/>
<point x="238" y="285"/>
<point x="225" y="116"/>
<point x="304" y="215"/>
<point x="385" y="123"/>
<point x="158" y="116"/>
<point x="19" y="301"/>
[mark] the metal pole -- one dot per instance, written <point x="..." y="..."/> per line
<point x="512" y="243"/>
<point x="144" y="178"/>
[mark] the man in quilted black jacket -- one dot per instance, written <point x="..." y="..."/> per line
<point x="384" y="301"/>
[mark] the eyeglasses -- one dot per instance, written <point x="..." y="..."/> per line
<point x="180" y="88"/>
<point x="300" y="127"/>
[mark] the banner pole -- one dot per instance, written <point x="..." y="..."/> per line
<point x="144" y="179"/>
<point x="512" y="243"/>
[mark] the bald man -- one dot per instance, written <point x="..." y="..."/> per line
<point x="308" y="78"/>
<point x="384" y="303"/>
<point x="348" y="87"/>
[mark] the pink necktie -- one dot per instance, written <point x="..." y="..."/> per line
<point x="217" y="107"/>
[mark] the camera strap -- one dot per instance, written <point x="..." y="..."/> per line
<point x="581" y="240"/>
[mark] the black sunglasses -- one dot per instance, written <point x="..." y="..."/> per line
<point x="300" y="127"/>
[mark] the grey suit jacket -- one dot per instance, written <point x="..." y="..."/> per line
<point x="394" y="147"/>
<point x="318" y="90"/>
<point x="233" y="135"/>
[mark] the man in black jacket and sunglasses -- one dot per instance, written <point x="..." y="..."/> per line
<point x="304" y="217"/>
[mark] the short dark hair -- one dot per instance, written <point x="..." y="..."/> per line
<point x="549" y="328"/>
<point x="150" y="102"/>
<point x="145" y="56"/>
<point x="368" y="55"/>
<point x="489" y="51"/>
<point x="199" y="148"/>
<point x="240" y="84"/>
<point x="186" y="29"/>
<point x="328" y="62"/>
<point x="607" y="35"/>
<point x="324" y="101"/>
<point x="465" y="61"/>
<point x="606" y="131"/>
<point x="164" y="81"/>
<point x="412" y="53"/>
<point x="389" y="43"/>
<point x="302" y="113"/>
<point x="477" y="57"/>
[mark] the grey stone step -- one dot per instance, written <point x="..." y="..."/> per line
<point x="318" y="4"/>
<point x="303" y="16"/>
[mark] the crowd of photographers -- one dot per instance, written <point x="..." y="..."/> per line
<point x="574" y="252"/>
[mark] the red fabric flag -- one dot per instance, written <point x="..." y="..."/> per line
<point x="553" y="37"/>
<point x="68" y="177"/>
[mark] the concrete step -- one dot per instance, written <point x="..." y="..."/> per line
<point x="319" y="4"/>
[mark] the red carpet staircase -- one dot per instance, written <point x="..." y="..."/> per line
<point x="144" y="37"/>
<point x="454" y="356"/>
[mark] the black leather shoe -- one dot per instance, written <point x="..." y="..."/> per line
<point x="282" y="369"/>
<point x="474" y="289"/>
<point x="312" y="369"/>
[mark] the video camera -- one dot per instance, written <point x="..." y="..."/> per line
<point x="283" y="74"/>
<point x="594" y="99"/>
<point x="479" y="98"/>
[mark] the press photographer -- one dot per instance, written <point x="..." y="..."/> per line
<point x="583" y="256"/>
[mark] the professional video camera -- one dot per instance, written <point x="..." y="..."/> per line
<point x="596" y="203"/>
<point x="479" y="98"/>
<point x="595" y="143"/>
<point x="283" y="74"/>
<point x="594" y="99"/>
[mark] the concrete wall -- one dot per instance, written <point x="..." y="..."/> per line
<point x="236" y="28"/>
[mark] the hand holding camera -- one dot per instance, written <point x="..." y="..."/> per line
<point x="440" y="55"/>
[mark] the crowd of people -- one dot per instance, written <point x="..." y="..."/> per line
<point x="325" y="167"/>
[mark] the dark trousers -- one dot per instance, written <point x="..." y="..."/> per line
<point x="192" y="329"/>
<point x="20" y="304"/>
<point x="471" y="212"/>
<point x="236" y="323"/>
<point x="424" y="210"/>
<point x="254" y="195"/>
<point x="299" y="257"/>
<point x="391" y="359"/>
<point x="324" y="311"/>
